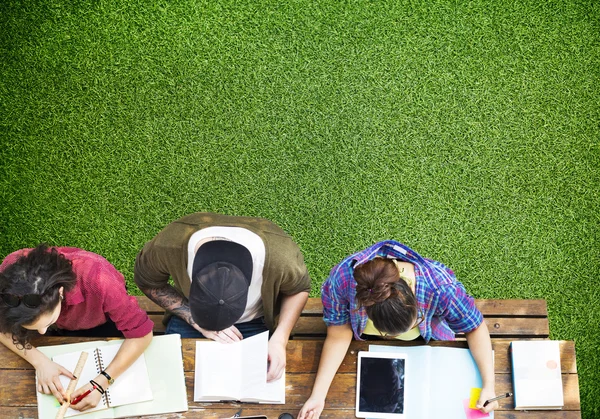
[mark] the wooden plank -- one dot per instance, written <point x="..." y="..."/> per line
<point x="510" y="307"/>
<point x="498" y="327"/>
<point x="18" y="389"/>
<point x="148" y="305"/>
<point x="304" y="355"/>
<point x="274" y="412"/>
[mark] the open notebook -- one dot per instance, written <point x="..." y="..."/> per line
<point x="438" y="380"/>
<point x="154" y="384"/>
<point x="133" y="386"/>
<point x="236" y="371"/>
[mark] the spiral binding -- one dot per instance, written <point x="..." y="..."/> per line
<point x="100" y="367"/>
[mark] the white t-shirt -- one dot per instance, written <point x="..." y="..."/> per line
<point x="250" y="241"/>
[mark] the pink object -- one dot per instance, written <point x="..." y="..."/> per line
<point x="473" y="413"/>
<point x="99" y="294"/>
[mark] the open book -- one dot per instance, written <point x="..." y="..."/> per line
<point x="236" y="371"/>
<point x="154" y="384"/>
<point x="537" y="380"/>
<point x="438" y="381"/>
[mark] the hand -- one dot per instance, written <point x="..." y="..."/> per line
<point x="229" y="335"/>
<point x="312" y="408"/>
<point x="276" y="360"/>
<point x="486" y="394"/>
<point x="88" y="402"/>
<point x="48" y="373"/>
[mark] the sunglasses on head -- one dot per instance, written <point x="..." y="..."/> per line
<point x="29" y="300"/>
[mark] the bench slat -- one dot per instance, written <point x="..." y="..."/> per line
<point x="498" y="327"/>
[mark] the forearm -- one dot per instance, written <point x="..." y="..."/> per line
<point x="334" y="350"/>
<point x="291" y="308"/>
<point x="130" y="351"/>
<point x="31" y="355"/>
<point x="170" y="299"/>
<point x="480" y="345"/>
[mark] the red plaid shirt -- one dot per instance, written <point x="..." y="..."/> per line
<point x="98" y="295"/>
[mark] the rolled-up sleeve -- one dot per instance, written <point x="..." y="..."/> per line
<point x="122" y="308"/>
<point x="335" y="305"/>
<point x="459" y="310"/>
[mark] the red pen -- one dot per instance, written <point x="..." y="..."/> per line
<point x="80" y="398"/>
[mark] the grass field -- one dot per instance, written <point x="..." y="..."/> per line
<point x="467" y="130"/>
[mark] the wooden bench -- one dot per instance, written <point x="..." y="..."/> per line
<point x="522" y="319"/>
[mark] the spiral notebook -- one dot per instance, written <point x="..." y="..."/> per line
<point x="153" y="385"/>
<point x="133" y="386"/>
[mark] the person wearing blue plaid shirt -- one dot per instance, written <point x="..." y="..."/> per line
<point x="390" y="291"/>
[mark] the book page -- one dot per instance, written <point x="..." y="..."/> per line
<point x="133" y="386"/>
<point x="218" y="371"/>
<point x="164" y="362"/>
<point x="438" y="373"/>
<point x="89" y="372"/>
<point x="235" y="371"/>
<point x="254" y="377"/>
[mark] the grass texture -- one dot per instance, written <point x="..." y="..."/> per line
<point x="467" y="130"/>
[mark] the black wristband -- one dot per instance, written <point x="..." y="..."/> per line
<point x="98" y="386"/>
<point x="108" y="377"/>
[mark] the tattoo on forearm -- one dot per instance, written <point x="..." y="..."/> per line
<point x="170" y="299"/>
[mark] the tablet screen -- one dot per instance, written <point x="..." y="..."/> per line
<point x="381" y="379"/>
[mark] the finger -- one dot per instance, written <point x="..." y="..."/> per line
<point x="275" y="370"/>
<point x="224" y="337"/>
<point x="56" y="393"/>
<point x="231" y="335"/>
<point x="217" y="337"/>
<point x="490" y="407"/>
<point x="237" y="332"/>
<point x="59" y="386"/>
<point x="46" y="389"/>
<point x="66" y="372"/>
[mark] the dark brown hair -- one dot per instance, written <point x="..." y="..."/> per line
<point x="390" y="303"/>
<point x="43" y="271"/>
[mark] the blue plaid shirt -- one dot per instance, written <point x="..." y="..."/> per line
<point x="447" y="307"/>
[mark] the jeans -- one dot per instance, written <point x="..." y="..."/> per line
<point x="247" y="329"/>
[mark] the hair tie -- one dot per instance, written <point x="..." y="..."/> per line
<point x="370" y="289"/>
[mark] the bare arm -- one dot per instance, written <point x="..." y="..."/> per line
<point x="481" y="349"/>
<point x="128" y="353"/>
<point x="291" y="308"/>
<point x="47" y="371"/>
<point x="334" y="350"/>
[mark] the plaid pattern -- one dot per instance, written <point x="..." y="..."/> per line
<point x="447" y="307"/>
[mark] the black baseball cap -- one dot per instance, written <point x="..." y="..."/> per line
<point x="221" y="276"/>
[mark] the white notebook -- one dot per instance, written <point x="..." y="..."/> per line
<point x="154" y="384"/>
<point x="537" y="380"/>
<point x="133" y="386"/>
<point x="439" y="379"/>
<point x="236" y="371"/>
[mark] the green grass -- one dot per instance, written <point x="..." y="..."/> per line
<point x="467" y="130"/>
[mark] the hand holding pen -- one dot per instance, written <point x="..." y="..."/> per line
<point x="497" y="398"/>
